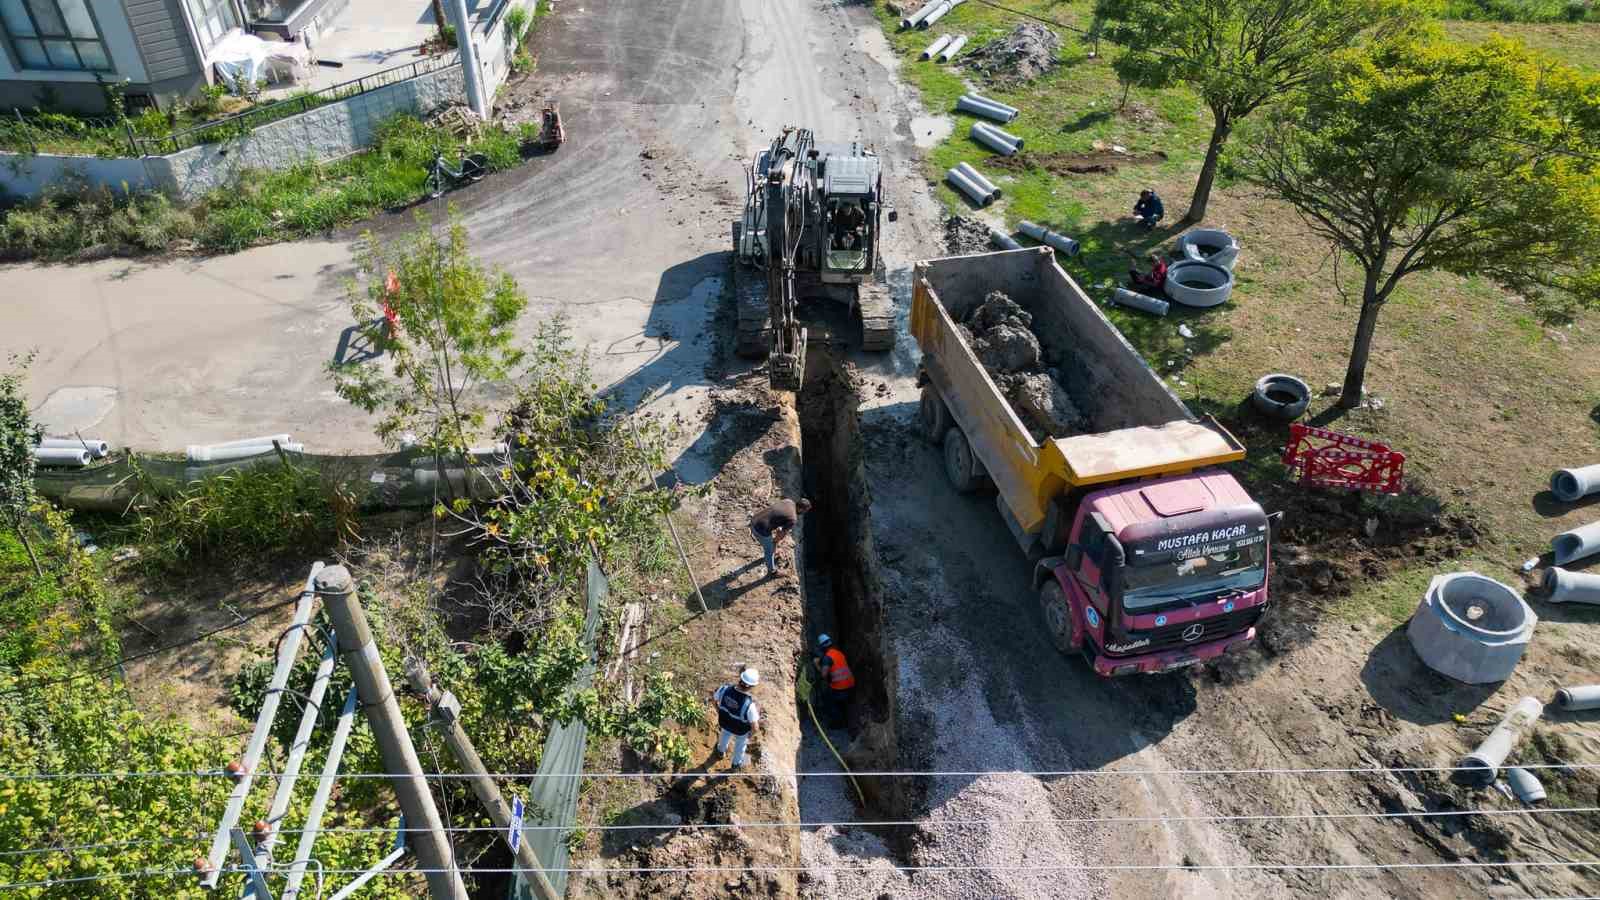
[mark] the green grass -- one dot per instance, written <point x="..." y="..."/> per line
<point x="1576" y="44"/>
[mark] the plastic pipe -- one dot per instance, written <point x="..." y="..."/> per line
<point x="938" y="44"/>
<point x="97" y="448"/>
<point x="1561" y="586"/>
<point x="1058" y="241"/>
<point x="1012" y="111"/>
<point x="966" y="104"/>
<point x="953" y="48"/>
<point x="1484" y="763"/>
<point x="1136" y="300"/>
<point x="936" y="15"/>
<point x="499" y="449"/>
<point x="1006" y="136"/>
<point x="248" y="442"/>
<point x="1002" y="240"/>
<point x="1524" y="785"/>
<point x="979" y="180"/>
<point x="1576" y="544"/>
<point x="912" y="20"/>
<point x="1570" y="485"/>
<point x="61" y="456"/>
<point x="992" y="140"/>
<point x="222" y="454"/>
<point x="1575" y="699"/>
<point x="966" y="186"/>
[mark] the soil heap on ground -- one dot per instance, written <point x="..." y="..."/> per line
<point x="1023" y="55"/>
<point x="1000" y="333"/>
<point x="964" y="236"/>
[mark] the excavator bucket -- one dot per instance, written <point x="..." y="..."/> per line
<point x="786" y="361"/>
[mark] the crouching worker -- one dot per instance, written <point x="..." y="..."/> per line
<point x="1149" y="209"/>
<point x="737" y="714"/>
<point x="1153" y="282"/>
<point x="838" y="683"/>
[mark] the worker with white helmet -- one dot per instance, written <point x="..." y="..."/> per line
<point x="737" y="714"/>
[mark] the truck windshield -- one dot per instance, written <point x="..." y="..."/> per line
<point x="1162" y="581"/>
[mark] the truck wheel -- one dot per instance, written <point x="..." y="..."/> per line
<point x="1057" y="615"/>
<point x="966" y="474"/>
<point x="935" y="416"/>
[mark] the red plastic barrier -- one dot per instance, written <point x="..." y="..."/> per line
<point x="1330" y="459"/>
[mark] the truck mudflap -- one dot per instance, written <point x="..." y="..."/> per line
<point x="1173" y="660"/>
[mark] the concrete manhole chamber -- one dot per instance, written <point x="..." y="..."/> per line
<point x="1471" y="628"/>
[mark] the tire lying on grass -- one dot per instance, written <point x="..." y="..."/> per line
<point x="1281" y="397"/>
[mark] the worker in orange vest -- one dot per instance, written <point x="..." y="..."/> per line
<point x="838" y="682"/>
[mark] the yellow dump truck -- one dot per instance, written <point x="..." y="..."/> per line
<point x="1148" y="558"/>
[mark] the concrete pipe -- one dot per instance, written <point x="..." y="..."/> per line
<point x="1012" y="111"/>
<point x="1571" y="485"/>
<point x="221" y="454"/>
<point x="1524" y="785"/>
<point x="979" y="179"/>
<point x="952" y="48"/>
<point x="938" y="44"/>
<point x="966" y="186"/>
<point x="1577" y="699"/>
<point x="1212" y="245"/>
<point x="1483" y="764"/>
<point x="247" y="442"/>
<point x="63" y="457"/>
<point x="1136" y="300"/>
<point x="1006" y="136"/>
<point x="916" y="18"/>
<point x="97" y="448"/>
<point x="938" y="13"/>
<point x="966" y="104"/>
<point x="992" y="140"/>
<point x="1051" y="239"/>
<point x="1198" y="284"/>
<point x="1471" y="628"/>
<point x="1002" y="240"/>
<point x="1576" y="544"/>
<point x="1561" y="586"/>
<point x="497" y="449"/>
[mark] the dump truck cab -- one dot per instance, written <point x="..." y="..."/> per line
<point x="1159" y="574"/>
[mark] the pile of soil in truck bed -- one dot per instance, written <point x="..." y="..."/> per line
<point x="1000" y="333"/>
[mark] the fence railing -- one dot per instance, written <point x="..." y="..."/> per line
<point x="240" y="124"/>
<point x="45" y="132"/>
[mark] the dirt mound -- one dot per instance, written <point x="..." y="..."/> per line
<point x="1102" y="162"/>
<point x="1023" y="55"/>
<point x="963" y="236"/>
<point x="1000" y="333"/>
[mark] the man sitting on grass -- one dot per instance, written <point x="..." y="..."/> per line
<point x="1153" y="282"/>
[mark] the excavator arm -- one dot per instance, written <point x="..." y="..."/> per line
<point x="788" y="201"/>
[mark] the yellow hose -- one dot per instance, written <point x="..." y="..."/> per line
<point x="803" y="687"/>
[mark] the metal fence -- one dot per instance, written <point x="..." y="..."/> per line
<point x="58" y="133"/>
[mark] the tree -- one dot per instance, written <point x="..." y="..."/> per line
<point x="1237" y="54"/>
<point x="451" y="331"/>
<point x="1419" y="154"/>
<point x="18" y="436"/>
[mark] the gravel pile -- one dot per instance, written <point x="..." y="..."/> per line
<point x="964" y="237"/>
<point x="1023" y="55"/>
<point x="1000" y="333"/>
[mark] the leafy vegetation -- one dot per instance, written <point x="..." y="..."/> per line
<point x="1523" y="10"/>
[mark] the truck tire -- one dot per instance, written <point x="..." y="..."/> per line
<point x="1057" y="615"/>
<point x="965" y="472"/>
<point x="934" y="415"/>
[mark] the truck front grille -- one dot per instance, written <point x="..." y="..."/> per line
<point x="1170" y="637"/>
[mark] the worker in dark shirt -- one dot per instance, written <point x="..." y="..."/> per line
<point x="1149" y="209"/>
<point x="773" y="524"/>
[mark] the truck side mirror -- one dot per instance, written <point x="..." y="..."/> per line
<point x="1275" y="520"/>
<point x="894" y="214"/>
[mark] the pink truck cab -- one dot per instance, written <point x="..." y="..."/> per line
<point x="1158" y="575"/>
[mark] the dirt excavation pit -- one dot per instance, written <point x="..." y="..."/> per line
<point x="1100" y="162"/>
<point x="1001" y="334"/>
<point x="964" y="236"/>
<point x="1026" y="53"/>
<point x="843" y="590"/>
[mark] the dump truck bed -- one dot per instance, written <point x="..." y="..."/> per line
<point x="1136" y="426"/>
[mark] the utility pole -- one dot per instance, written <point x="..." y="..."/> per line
<point x="445" y="711"/>
<point x="430" y="842"/>
<point x="472" y="73"/>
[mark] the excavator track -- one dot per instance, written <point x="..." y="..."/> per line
<point x="754" y="335"/>
<point x="875" y="306"/>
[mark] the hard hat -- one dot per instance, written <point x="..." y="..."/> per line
<point x="823" y="640"/>
<point x="750" y="677"/>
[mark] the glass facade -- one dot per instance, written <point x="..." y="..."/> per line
<point x="54" y="34"/>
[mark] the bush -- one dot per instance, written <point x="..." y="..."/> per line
<point x="1523" y="10"/>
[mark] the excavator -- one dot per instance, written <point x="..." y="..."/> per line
<point x="812" y="218"/>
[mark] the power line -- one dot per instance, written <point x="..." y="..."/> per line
<point x="909" y="773"/>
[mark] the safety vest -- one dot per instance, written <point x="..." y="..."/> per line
<point x="733" y="710"/>
<point x="840" y="678"/>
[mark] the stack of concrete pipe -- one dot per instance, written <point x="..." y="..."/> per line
<point x="969" y="181"/>
<point x="62" y="457"/>
<point x="1002" y="142"/>
<point x="982" y="106"/>
<point x="1049" y="238"/>
<point x="241" y="449"/>
<point x="97" y="448"/>
<point x="915" y="19"/>
<point x="951" y="49"/>
<point x="940" y="10"/>
<point x="935" y="48"/>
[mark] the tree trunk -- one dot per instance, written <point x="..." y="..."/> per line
<point x="439" y="21"/>
<point x="1208" y="172"/>
<point x="22" y="534"/>
<point x="1356" y="374"/>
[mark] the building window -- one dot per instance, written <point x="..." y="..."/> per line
<point x="212" y="19"/>
<point x="54" y="34"/>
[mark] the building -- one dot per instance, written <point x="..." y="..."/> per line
<point x="58" y="53"/>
